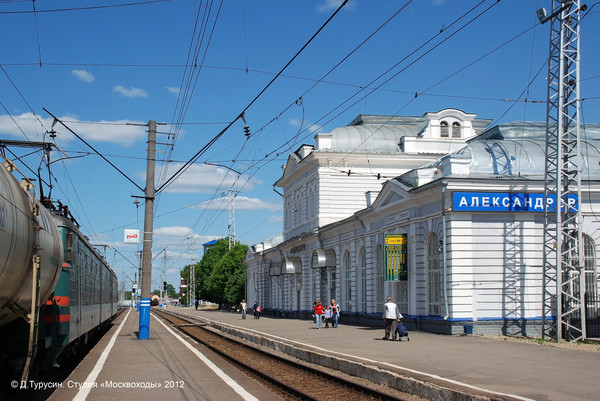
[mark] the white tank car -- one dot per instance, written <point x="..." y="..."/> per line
<point x="26" y="229"/>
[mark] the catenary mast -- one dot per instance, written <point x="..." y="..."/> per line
<point x="563" y="314"/>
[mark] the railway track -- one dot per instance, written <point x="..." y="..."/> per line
<point x="289" y="378"/>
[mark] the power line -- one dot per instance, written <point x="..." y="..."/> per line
<point x="372" y="82"/>
<point x="94" y="149"/>
<point x="57" y="10"/>
<point x="209" y="144"/>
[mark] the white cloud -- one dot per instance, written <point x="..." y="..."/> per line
<point x="241" y="203"/>
<point x="276" y="219"/>
<point x="294" y="122"/>
<point x="172" y="89"/>
<point x="177" y="241"/>
<point x="205" y="178"/>
<point x="117" y="132"/>
<point x="130" y="92"/>
<point x="314" y="128"/>
<point x="175" y="231"/>
<point x="330" y="5"/>
<point x="83" y="75"/>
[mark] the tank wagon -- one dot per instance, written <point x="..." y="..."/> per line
<point x="56" y="290"/>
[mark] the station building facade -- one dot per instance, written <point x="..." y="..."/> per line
<point x="435" y="211"/>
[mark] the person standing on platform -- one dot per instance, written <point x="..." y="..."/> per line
<point x="318" y="310"/>
<point x="335" y="313"/>
<point x="328" y="315"/>
<point x="244" y="307"/>
<point x="391" y="316"/>
<point x="196" y="302"/>
<point x="256" y="309"/>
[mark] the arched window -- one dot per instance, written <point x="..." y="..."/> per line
<point x="348" y="280"/>
<point x="363" y="280"/>
<point x="433" y="275"/>
<point x="592" y="282"/>
<point x="332" y="284"/>
<point x="589" y="263"/>
<point x="444" y="129"/>
<point x="456" y="130"/>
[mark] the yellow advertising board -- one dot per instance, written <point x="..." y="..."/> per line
<point x="396" y="267"/>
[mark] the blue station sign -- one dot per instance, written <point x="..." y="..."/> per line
<point x="508" y="202"/>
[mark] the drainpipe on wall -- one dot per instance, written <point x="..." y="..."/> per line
<point x="361" y="223"/>
<point x="445" y="281"/>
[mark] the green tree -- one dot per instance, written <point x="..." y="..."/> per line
<point x="226" y="282"/>
<point x="221" y="274"/>
<point x="235" y="290"/>
<point x="208" y="262"/>
<point x="171" y="291"/>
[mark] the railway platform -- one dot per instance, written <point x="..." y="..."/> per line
<point x="472" y="367"/>
<point x="490" y="367"/>
<point x="162" y="367"/>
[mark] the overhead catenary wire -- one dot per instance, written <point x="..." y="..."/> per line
<point x="37" y="33"/>
<point x="297" y="102"/>
<point x="295" y="138"/>
<point x="244" y="31"/>
<point x="513" y="102"/>
<point x="376" y="88"/>
<point x="212" y="141"/>
<point x="372" y="82"/>
<point x="480" y="59"/>
<point x="94" y="149"/>
<point x="61" y="10"/>
<point x="188" y="82"/>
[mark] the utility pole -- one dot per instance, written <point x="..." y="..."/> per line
<point x="163" y="277"/>
<point x="139" y="279"/>
<point x="192" y="283"/>
<point x="563" y="306"/>
<point x="231" y="225"/>
<point x="144" y="327"/>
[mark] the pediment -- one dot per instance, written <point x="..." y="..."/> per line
<point x="390" y="194"/>
<point x="292" y="164"/>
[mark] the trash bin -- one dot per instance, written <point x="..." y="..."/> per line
<point x="468" y="328"/>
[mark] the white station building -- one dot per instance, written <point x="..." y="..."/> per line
<point x="438" y="212"/>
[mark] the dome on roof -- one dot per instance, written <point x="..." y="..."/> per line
<point x="525" y="157"/>
<point x="506" y="158"/>
<point x="535" y="130"/>
<point x="368" y="138"/>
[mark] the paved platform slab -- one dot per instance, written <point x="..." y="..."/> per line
<point x="162" y="367"/>
<point x="522" y="370"/>
<point x="122" y="367"/>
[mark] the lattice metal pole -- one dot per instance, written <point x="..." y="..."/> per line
<point x="192" y="283"/>
<point x="231" y="224"/>
<point x="563" y="306"/>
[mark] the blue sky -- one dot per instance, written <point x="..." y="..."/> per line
<point x="107" y="67"/>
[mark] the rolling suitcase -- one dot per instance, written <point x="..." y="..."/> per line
<point x="402" y="331"/>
